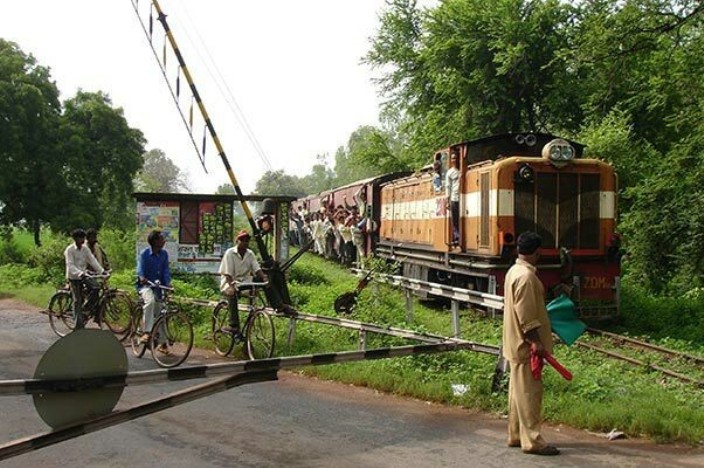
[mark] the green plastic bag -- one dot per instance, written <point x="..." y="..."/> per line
<point x="564" y="321"/>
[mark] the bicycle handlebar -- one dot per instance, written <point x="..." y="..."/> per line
<point x="250" y="284"/>
<point x="159" y="286"/>
<point x="104" y="275"/>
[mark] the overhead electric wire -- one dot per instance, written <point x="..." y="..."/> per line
<point x="201" y="156"/>
<point x="220" y="82"/>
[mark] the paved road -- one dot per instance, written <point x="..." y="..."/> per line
<point x="295" y="422"/>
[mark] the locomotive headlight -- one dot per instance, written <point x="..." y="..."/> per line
<point x="559" y="152"/>
<point x="567" y="153"/>
<point x="526" y="174"/>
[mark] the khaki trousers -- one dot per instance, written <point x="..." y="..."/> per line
<point x="525" y="400"/>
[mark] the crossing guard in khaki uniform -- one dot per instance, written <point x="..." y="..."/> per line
<point x="526" y="326"/>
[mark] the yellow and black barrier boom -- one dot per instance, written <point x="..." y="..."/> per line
<point x="278" y="293"/>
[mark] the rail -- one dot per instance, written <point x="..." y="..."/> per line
<point x="490" y="302"/>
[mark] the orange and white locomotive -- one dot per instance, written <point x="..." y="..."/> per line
<point x="508" y="184"/>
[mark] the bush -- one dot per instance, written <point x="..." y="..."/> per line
<point x="17" y="276"/>
<point x="49" y="260"/>
<point x="10" y="252"/>
<point x="121" y="247"/>
<point x="307" y="274"/>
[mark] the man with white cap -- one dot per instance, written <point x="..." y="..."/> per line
<point x="237" y="265"/>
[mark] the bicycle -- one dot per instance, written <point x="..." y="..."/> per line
<point x="113" y="308"/>
<point x="172" y="328"/>
<point x="258" y="329"/>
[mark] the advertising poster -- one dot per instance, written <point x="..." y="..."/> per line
<point x="163" y="216"/>
<point x="215" y="229"/>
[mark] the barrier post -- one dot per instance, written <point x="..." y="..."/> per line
<point x="362" y="340"/>
<point x="409" y="306"/>
<point x="291" y="332"/>
<point x="455" y="307"/>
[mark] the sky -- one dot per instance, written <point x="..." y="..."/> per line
<point x="292" y="67"/>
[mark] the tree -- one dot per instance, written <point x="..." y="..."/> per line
<point x="160" y="174"/>
<point x="225" y="189"/>
<point x="320" y="179"/>
<point x="29" y="111"/>
<point x="279" y="183"/>
<point x="102" y="154"/>
<point x="469" y="68"/>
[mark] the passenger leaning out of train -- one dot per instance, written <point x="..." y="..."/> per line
<point x="452" y="184"/>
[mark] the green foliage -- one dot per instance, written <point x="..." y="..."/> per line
<point x="15" y="275"/>
<point x="278" y="183"/>
<point x="321" y="178"/>
<point x="120" y="246"/>
<point x="103" y="154"/>
<point x="307" y="274"/>
<point x="68" y="169"/>
<point x="662" y="317"/>
<point x="160" y="174"/>
<point x="10" y="252"/>
<point x="29" y="104"/>
<point x="48" y="260"/>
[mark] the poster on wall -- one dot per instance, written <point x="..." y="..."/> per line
<point x="215" y="229"/>
<point x="163" y="216"/>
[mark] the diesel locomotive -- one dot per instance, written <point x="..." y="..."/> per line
<point x="504" y="185"/>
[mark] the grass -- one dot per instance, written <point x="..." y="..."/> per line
<point x="604" y="394"/>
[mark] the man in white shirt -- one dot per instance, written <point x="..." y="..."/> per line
<point x="452" y="183"/>
<point x="237" y="265"/>
<point x="78" y="258"/>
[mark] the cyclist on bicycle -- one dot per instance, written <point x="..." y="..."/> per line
<point x="153" y="265"/>
<point x="96" y="248"/>
<point x="79" y="260"/>
<point x="237" y="265"/>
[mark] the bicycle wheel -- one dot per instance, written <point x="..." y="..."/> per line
<point x="117" y="314"/>
<point x="222" y="341"/>
<point x="61" y="313"/>
<point x="174" y="330"/>
<point x="138" y="347"/>
<point x="260" y="335"/>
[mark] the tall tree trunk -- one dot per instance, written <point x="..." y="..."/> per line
<point x="36" y="227"/>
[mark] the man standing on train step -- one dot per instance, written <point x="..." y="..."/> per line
<point x="452" y="182"/>
<point x="526" y="329"/>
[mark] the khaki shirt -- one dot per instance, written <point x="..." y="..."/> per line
<point x="100" y="255"/>
<point x="524" y="310"/>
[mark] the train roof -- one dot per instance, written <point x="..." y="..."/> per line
<point x="512" y="144"/>
<point x="380" y="179"/>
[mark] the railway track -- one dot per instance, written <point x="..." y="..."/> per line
<point x="676" y="364"/>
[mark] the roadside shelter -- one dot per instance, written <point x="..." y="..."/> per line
<point x="199" y="228"/>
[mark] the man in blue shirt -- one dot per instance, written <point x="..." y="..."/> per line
<point x="152" y="265"/>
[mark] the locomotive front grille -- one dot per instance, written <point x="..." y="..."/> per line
<point x="562" y="207"/>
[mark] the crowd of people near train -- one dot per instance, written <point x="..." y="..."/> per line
<point x="335" y="232"/>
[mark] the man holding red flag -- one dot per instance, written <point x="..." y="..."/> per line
<point x="526" y="330"/>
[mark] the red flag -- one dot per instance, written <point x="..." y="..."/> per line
<point x="536" y="365"/>
<point x="557" y="366"/>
